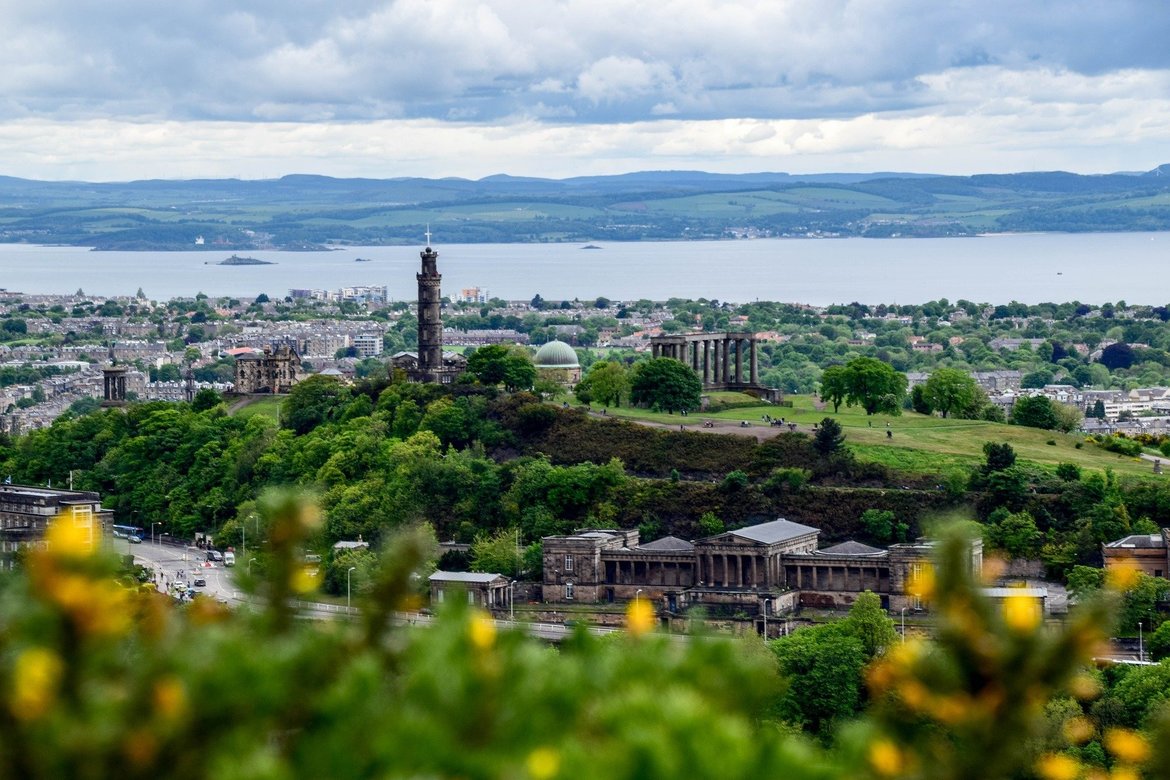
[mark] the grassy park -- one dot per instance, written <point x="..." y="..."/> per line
<point x="920" y="443"/>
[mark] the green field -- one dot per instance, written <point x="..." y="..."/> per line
<point x="269" y="407"/>
<point x="920" y="443"/>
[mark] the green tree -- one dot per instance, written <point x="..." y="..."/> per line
<point x="951" y="390"/>
<point x="1034" y="412"/>
<point x="608" y="381"/>
<point x="869" y="623"/>
<point x="1016" y="534"/>
<point x="875" y="386"/>
<point x="1160" y="642"/>
<point x="835" y="386"/>
<point x="498" y="553"/>
<point x="998" y="456"/>
<point x="665" y="384"/>
<point x="311" y="402"/>
<point x="488" y="364"/>
<point x="829" y="438"/>
<point x="710" y="525"/>
<point x="823" y="668"/>
<point x="206" y="399"/>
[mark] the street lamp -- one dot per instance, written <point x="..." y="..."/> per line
<point x="903" y="625"/>
<point x="152" y="525"/>
<point x="250" y="562"/>
<point x="1141" y="646"/>
<point x="766" y="603"/>
<point x="637" y="596"/>
<point x="347" y="590"/>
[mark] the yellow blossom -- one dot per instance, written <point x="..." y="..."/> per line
<point x="1085" y="687"/>
<point x="170" y="698"/>
<point x="70" y="537"/>
<point x="921" y="582"/>
<point x="1122" y="576"/>
<point x="1021" y="613"/>
<point x="543" y="763"/>
<point x="483" y="630"/>
<point x="34" y="681"/>
<point x="303" y="580"/>
<point x="639" y="617"/>
<point x="1057" y="766"/>
<point x="886" y="758"/>
<point x="1078" y="730"/>
<point x="1127" y="746"/>
<point x="1123" y="773"/>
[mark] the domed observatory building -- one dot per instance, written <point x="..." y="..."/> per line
<point x="556" y="361"/>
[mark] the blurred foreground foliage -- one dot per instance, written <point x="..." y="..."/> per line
<point x="99" y="681"/>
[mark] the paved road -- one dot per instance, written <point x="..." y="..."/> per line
<point x="168" y="560"/>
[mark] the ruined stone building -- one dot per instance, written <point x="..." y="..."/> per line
<point x="270" y="371"/>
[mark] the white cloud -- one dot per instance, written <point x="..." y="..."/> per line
<point x="626" y="84"/>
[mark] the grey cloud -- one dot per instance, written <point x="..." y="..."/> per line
<point x="579" y="60"/>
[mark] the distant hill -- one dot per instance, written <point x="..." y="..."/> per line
<point x="306" y="211"/>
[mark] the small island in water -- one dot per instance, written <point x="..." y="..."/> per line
<point x="591" y="246"/>
<point x="237" y="260"/>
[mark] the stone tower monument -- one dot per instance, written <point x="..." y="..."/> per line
<point x="430" y="316"/>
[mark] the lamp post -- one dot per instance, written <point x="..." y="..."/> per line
<point x="764" y="608"/>
<point x="1141" y="646"/>
<point x="512" y="600"/>
<point x="348" y="572"/>
<point x="244" y="537"/>
<point x="903" y="625"/>
<point x="637" y="596"/>
<point x="250" y="562"/>
<point x="152" y="537"/>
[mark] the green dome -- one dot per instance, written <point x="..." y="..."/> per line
<point x="556" y="354"/>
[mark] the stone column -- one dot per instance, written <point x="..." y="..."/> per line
<point x="739" y="361"/>
<point x="707" y="371"/>
<point x="755" y="580"/>
<point x="755" y="366"/>
<point x="726" y="361"/>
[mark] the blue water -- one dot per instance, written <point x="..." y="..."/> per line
<point x="1092" y="268"/>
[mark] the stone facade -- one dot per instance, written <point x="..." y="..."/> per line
<point x="720" y="360"/>
<point x="1149" y="553"/>
<point x="273" y="371"/>
<point x="778" y="562"/>
<point x="27" y="511"/>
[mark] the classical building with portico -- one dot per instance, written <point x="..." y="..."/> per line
<point x="723" y="361"/>
<point x="779" y="563"/>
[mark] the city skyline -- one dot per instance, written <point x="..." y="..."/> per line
<point x="411" y="88"/>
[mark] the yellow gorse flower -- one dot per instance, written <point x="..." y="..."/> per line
<point x="1021" y="613"/>
<point x="1127" y="746"/>
<point x="1057" y="766"/>
<point x="482" y="630"/>
<point x="543" y="763"/>
<point x="639" y="617"/>
<point x="35" y="677"/>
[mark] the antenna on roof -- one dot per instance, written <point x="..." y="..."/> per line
<point x="428" y="234"/>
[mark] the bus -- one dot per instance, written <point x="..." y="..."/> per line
<point x="130" y="533"/>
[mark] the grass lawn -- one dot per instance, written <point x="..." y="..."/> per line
<point x="269" y="407"/>
<point x="920" y="443"/>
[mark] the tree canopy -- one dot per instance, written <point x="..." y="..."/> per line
<point x="665" y="384"/>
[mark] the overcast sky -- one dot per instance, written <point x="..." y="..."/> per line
<point x="126" y="89"/>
